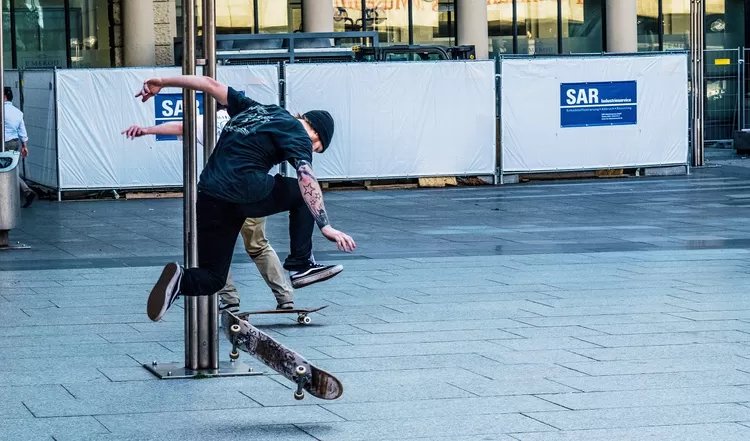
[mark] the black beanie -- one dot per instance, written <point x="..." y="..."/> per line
<point x="322" y="122"/>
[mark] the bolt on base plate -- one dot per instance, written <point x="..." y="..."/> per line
<point x="174" y="371"/>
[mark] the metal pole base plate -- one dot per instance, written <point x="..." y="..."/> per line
<point x="18" y="246"/>
<point x="175" y="371"/>
<point x="5" y="243"/>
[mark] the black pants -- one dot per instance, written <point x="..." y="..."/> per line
<point x="220" y="222"/>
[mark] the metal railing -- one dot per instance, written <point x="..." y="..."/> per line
<point x="265" y="48"/>
<point x="723" y="74"/>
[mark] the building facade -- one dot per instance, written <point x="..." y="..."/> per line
<point x="108" y="33"/>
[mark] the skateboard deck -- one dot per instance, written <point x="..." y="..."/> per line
<point x="278" y="357"/>
<point x="302" y="317"/>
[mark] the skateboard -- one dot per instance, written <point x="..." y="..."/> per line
<point x="302" y="317"/>
<point x="278" y="357"/>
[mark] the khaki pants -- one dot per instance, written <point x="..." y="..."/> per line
<point x="265" y="258"/>
<point x="16" y="145"/>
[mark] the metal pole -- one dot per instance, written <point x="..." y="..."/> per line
<point x="208" y="307"/>
<point x="190" y="184"/>
<point x="2" y="82"/>
<point x="697" y="79"/>
<point x="201" y="312"/>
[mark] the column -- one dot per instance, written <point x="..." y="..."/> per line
<point x="472" y="26"/>
<point x="165" y="29"/>
<point x="317" y="15"/>
<point x="622" y="26"/>
<point x="138" y="32"/>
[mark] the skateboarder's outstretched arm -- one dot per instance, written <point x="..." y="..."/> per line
<point x="313" y="196"/>
<point x="170" y="128"/>
<point x="153" y="86"/>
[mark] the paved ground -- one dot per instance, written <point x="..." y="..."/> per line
<point x="576" y="311"/>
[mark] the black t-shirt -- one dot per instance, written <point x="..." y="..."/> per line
<point x="256" y="138"/>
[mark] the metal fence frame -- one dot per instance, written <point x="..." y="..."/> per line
<point x="498" y="99"/>
<point x="723" y="105"/>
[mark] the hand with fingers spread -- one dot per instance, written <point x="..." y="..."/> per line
<point x="134" y="131"/>
<point x="151" y="87"/>
<point x="343" y="240"/>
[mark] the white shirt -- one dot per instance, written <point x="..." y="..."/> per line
<point x="222" y="117"/>
<point x="14" y="125"/>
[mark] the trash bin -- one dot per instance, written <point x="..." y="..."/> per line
<point x="10" y="193"/>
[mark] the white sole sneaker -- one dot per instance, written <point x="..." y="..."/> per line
<point x="315" y="275"/>
<point x="164" y="292"/>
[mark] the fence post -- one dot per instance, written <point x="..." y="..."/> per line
<point x="697" y="84"/>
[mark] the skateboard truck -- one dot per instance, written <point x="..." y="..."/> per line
<point x="301" y="378"/>
<point x="236" y="341"/>
<point x="302" y="318"/>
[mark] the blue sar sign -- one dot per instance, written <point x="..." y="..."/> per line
<point x="169" y="107"/>
<point x="598" y="104"/>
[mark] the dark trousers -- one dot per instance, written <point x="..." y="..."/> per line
<point x="220" y="222"/>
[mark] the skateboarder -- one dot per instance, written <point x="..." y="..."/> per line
<point x="235" y="185"/>
<point x="253" y="229"/>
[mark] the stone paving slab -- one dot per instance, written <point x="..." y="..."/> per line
<point x="593" y="310"/>
<point x="671" y="380"/>
<point x="724" y="432"/>
<point x="642" y="416"/>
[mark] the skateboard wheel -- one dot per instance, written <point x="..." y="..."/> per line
<point x="234" y="329"/>
<point x="234" y="355"/>
<point x="306" y="320"/>
<point x="301" y="370"/>
<point x="299" y="396"/>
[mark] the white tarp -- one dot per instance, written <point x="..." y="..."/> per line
<point x="585" y="113"/>
<point x="39" y="115"/>
<point x="400" y="119"/>
<point x="96" y="105"/>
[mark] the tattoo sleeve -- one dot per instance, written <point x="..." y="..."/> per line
<point x="311" y="192"/>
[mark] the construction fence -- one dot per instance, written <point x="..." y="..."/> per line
<point x="727" y="100"/>
<point x="451" y="118"/>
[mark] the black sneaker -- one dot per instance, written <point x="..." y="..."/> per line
<point x="286" y="305"/>
<point x="313" y="274"/>
<point x="29" y="199"/>
<point x="165" y="292"/>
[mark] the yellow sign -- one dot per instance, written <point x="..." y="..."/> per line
<point x="722" y="61"/>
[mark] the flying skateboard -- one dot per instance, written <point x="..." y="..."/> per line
<point x="302" y="317"/>
<point x="278" y="357"/>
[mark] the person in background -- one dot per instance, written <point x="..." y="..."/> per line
<point x="253" y="230"/>
<point x="16" y="139"/>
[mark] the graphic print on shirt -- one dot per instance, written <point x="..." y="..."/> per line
<point x="247" y="122"/>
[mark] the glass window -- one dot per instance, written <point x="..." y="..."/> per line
<point x="390" y="19"/>
<point x="434" y="22"/>
<point x="232" y="16"/>
<point x="295" y="14"/>
<point x="347" y="15"/>
<point x="40" y="33"/>
<point x="537" y="27"/>
<point x="500" y="24"/>
<point x="648" y="25"/>
<point x="582" y="26"/>
<point x="7" y="42"/>
<point x="273" y="17"/>
<point x="725" y="24"/>
<point x="676" y="24"/>
<point x="89" y="33"/>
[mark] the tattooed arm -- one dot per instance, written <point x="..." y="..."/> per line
<point x="313" y="197"/>
<point x="311" y="193"/>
